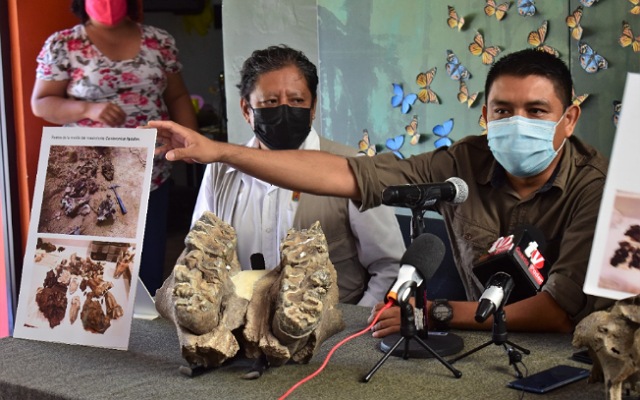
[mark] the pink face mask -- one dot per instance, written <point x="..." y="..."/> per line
<point x="107" y="12"/>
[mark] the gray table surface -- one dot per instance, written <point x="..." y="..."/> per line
<point x="149" y="370"/>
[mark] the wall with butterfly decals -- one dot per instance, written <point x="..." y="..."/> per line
<point x="408" y="75"/>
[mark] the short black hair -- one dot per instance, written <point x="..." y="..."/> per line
<point x="274" y="58"/>
<point x="77" y="7"/>
<point x="528" y="62"/>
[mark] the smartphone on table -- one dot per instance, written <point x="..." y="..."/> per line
<point x="550" y="379"/>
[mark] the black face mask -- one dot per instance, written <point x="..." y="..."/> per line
<point x="282" y="127"/>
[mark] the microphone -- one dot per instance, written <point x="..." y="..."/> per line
<point x="419" y="262"/>
<point x="520" y="256"/>
<point x="453" y="190"/>
<point x="495" y="295"/>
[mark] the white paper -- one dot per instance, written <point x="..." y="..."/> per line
<point x="88" y="167"/>
<point x="620" y="209"/>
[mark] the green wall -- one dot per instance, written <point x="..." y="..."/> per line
<point x="366" y="45"/>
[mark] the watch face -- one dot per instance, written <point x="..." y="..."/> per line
<point x="442" y="312"/>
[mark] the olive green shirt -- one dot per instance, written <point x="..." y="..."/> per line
<point x="565" y="209"/>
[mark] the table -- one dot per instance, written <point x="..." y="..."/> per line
<point x="149" y="369"/>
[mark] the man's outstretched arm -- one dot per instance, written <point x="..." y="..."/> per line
<point x="315" y="172"/>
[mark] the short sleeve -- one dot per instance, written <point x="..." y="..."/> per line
<point x="169" y="52"/>
<point x="53" y="60"/>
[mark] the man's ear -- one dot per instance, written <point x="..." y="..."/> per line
<point x="571" y="116"/>
<point x="246" y="110"/>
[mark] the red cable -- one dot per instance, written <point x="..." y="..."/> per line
<point x="333" y="349"/>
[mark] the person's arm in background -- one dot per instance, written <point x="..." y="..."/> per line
<point x="49" y="101"/>
<point x="178" y="102"/>
<point x="299" y="170"/>
<point x="380" y="248"/>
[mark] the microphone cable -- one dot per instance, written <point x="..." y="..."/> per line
<point x="333" y="349"/>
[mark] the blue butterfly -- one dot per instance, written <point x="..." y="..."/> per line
<point x="394" y="144"/>
<point x="456" y="70"/>
<point x="399" y="98"/>
<point x="587" y="3"/>
<point x="526" y="8"/>
<point x="443" y="131"/>
<point x="590" y="61"/>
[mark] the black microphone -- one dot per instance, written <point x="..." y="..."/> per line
<point x="495" y="295"/>
<point x="257" y="261"/>
<point x="520" y="256"/>
<point x="419" y="262"/>
<point x="453" y="190"/>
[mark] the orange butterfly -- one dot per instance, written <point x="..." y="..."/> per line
<point x="412" y="130"/>
<point x="636" y="7"/>
<point x="424" y="79"/>
<point x="627" y="38"/>
<point x="477" y="48"/>
<point x="463" y="95"/>
<point x="577" y="100"/>
<point x="483" y="124"/>
<point x="365" y="146"/>
<point x="500" y="11"/>
<point x="455" y="21"/>
<point x="573" y="22"/>
<point x="536" y="38"/>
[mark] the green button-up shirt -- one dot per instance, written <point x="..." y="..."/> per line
<point x="565" y="209"/>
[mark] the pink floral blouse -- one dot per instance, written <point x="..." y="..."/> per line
<point x="136" y="85"/>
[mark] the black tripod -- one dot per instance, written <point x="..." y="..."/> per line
<point x="499" y="337"/>
<point x="408" y="331"/>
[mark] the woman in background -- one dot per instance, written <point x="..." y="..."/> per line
<point x="111" y="71"/>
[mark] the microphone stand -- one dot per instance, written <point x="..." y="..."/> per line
<point x="408" y="331"/>
<point x="499" y="337"/>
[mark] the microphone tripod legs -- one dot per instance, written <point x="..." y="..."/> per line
<point x="404" y="339"/>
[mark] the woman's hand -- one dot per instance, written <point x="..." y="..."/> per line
<point x="108" y="113"/>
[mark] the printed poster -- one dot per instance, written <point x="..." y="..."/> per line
<point x="85" y="236"/>
<point x="614" y="265"/>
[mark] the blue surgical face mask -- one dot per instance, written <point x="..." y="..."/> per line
<point x="523" y="146"/>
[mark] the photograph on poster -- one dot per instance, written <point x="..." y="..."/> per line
<point x="79" y="288"/>
<point x="92" y="190"/>
<point x="621" y="265"/>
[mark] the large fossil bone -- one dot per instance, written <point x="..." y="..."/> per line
<point x="285" y="313"/>
<point x="613" y="340"/>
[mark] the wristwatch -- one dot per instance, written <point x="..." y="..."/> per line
<point x="441" y="314"/>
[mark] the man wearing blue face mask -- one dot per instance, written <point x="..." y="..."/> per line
<point x="278" y="98"/>
<point x="528" y="170"/>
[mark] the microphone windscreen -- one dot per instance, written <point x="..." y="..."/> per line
<point x="462" y="190"/>
<point x="425" y="254"/>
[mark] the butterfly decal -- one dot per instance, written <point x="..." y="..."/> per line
<point x="394" y="144"/>
<point x="588" y="3"/>
<point x="526" y="8"/>
<point x="499" y="10"/>
<point x="591" y="61"/>
<point x="477" y="48"/>
<point x="464" y="97"/>
<point x="617" y="107"/>
<point x="412" y="130"/>
<point x="536" y="38"/>
<point x="455" y="70"/>
<point x="454" y="21"/>
<point x="578" y="100"/>
<point x="635" y="10"/>
<point x="482" y="121"/>
<point x="627" y="38"/>
<point x="399" y="99"/>
<point x="443" y="131"/>
<point x="424" y="79"/>
<point x="365" y="146"/>
<point x="573" y="22"/>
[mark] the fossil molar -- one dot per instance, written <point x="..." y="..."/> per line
<point x="285" y="313"/>
<point x="613" y="340"/>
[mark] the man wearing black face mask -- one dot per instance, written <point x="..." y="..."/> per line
<point x="278" y="97"/>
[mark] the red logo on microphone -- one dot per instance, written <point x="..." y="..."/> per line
<point x="501" y="245"/>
